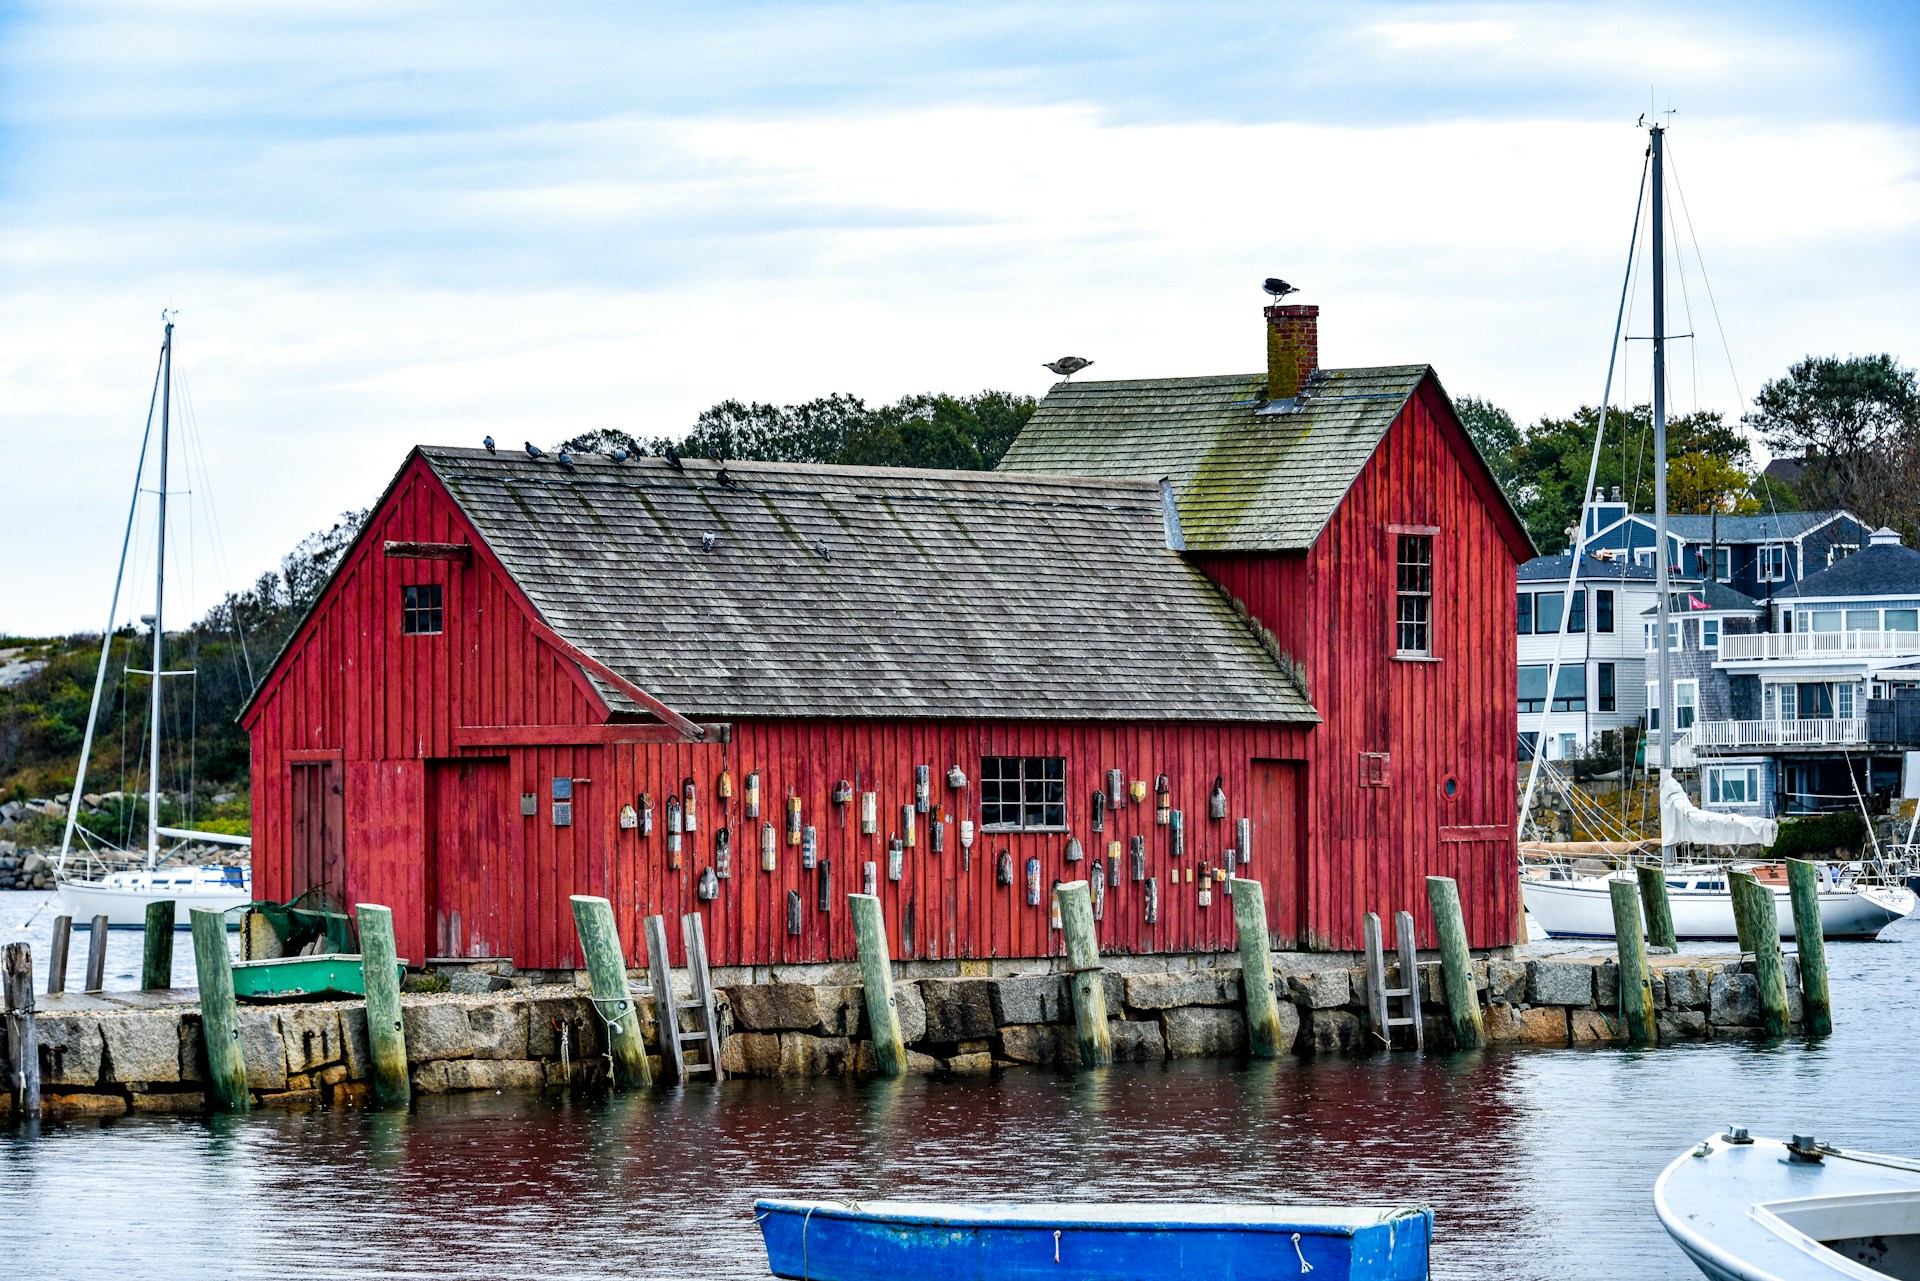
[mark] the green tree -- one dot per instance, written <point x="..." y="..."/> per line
<point x="1494" y="434"/>
<point x="1854" y="424"/>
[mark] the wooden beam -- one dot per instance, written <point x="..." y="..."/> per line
<point x="314" y="755"/>
<point x="1484" y="832"/>
<point x="460" y="553"/>
<point x="479" y="737"/>
<point x="688" y="730"/>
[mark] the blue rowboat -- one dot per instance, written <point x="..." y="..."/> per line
<point x="1753" y="1209"/>
<point x="941" y="1241"/>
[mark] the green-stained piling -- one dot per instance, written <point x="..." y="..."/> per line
<point x="876" y="975"/>
<point x="1763" y="932"/>
<point x="1089" y="988"/>
<point x="1636" y="986"/>
<point x="1256" y="968"/>
<point x="156" y="964"/>
<point x="1658" y="909"/>
<point x="1803" y="880"/>
<point x="219" y="1020"/>
<point x="612" y="995"/>
<point x="1456" y="962"/>
<point x="386" y="1030"/>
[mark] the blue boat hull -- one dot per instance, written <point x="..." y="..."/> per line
<point x="830" y="1242"/>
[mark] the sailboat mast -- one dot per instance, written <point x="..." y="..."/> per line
<point x="1667" y="709"/>
<point x="159" y="611"/>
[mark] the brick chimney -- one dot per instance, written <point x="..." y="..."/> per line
<point x="1293" y="349"/>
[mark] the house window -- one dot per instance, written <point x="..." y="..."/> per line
<point x="1603" y="610"/>
<point x="1570" y="689"/>
<point x="1546" y="613"/>
<point x="1524" y="613"/>
<point x="1604" y="687"/>
<point x="1720" y="563"/>
<point x="1673" y="634"/>
<point x="1773" y="562"/>
<point x="1709" y="633"/>
<point x="1733" y="785"/>
<point x="1577" y="616"/>
<point x="1902" y="620"/>
<point x="1840" y="551"/>
<point x="1414" y="595"/>
<point x="1686" y="697"/>
<point x="1843" y="701"/>
<point x="1643" y="556"/>
<point x="1569" y="746"/>
<point x="1827" y="620"/>
<point x="1529" y="740"/>
<point x="1863" y="620"/>
<point x="1023" y="793"/>
<point x="420" y="613"/>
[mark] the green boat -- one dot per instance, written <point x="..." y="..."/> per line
<point x="294" y="978"/>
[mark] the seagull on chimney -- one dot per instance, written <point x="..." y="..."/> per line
<point x="1278" y="287"/>
<point x="1067" y="366"/>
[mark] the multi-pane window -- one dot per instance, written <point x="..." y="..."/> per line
<point x="1709" y="633"/>
<point x="420" y="612"/>
<point x="1413" y="616"/>
<point x="1733" y="785"/>
<point x="1719" y="562"/>
<point x="1569" y="688"/>
<point x="1023" y="792"/>
<point x="1605" y="687"/>
<point x="1603" y="610"/>
<point x="1773" y="562"/>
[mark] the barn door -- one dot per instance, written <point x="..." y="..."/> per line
<point x="1279" y="848"/>
<point x="469" y="864"/>
<point x="318" y="840"/>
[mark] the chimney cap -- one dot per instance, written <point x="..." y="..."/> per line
<point x="1885" y="536"/>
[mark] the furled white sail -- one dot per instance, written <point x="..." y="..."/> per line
<point x="1683" y="822"/>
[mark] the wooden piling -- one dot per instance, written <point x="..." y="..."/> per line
<point x="1656" y="905"/>
<point x="1085" y="975"/>
<point x="612" y="995"/>
<point x="23" y="1037"/>
<point x="57" y="958"/>
<point x="1742" y="912"/>
<point x="1256" y="968"/>
<point x="97" y="954"/>
<point x="1763" y="924"/>
<point x="1636" y="985"/>
<point x="219" y="1019"/>
<point x="156" y="965"/>
<point x="1803" y="880"/>
<point x="876" y="975"/>
<point x="386" y="1029"/>
<point x="1456" y="962"/>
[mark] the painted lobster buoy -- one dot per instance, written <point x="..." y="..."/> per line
<point x="896" y="859"/>
<point x="629" y="818"/>
<point x="1151" y="902"/>
<point x="692" y="811"/>
<point x="907" y="825"/>
<point x="793" y="820"/>
<point x="1217" y="803"/>
<point x="793" y="911"/>
<point x="842" y="793"/>
<point x="922" y="787"/>
<point x="722" y="854"/>
<point x="769" y="848"/>
<point x="1228" y="862"/>
<point x="1177" y="834"/>
<point x="966" y="843"/>
<point x="956" y="778"/>
<point x="1033" y="882"/>
<point x="1205" y="896"/>
<point x="1139" y="848"/>
<point x="724" y="788"/>
<point x="1137" y="789"/>
<point x="824" y="903"/>
<point x="673" y="831"/>
<point x="1097" y="888"/>
<point x="1113" y="872"/>
<point x="937" y="836"/>
<point x="1162" y="800"/>
<point x="1116" y="788"/>
<point x="646" y="813"/>
<point x="708" y="886"/>
<point x="809" y="847"/>
<point x="1097" y="811"/>
<point x="753" y="794"/>
<point x="1053" y="909"/>
<point x="1074" y="852"/>
<point x="1243" y="839"/>
<point x="869" y="878"/>
<point x="1003" y="868"/>
<point x="869" y="813"/>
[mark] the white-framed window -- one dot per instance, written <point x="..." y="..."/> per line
<point x="1569" y="746"/>
<point x="1733" y="784"/>
<point x="1773" y="562"/>
<point x="1686" y="698"/>
<point x="1643" y="556"/>
<point x="1825" y="620"/>
<point x="1709" y="633"/>
<point x="1863" y="620"/>
<point x="1902" y="620"/>
<point x="1604" y="684"/>
<point x="1840" y="551"/>
<point x="1843" y="700"/>
<point x="1719" y="562"/>
<point x="1689" y="633"/>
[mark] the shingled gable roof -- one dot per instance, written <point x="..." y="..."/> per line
<point x="1247" y="475"/>
<point x="857" y="591"/>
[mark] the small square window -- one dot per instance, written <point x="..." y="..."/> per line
<point x="1023" y="793"/>
<point x="420" y="610"/>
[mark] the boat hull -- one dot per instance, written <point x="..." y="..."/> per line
<point x="835" y="1241"/>
<point x="1584" y="909"/>
<point x="122" y="898"/>
<point x="294" y="978"/>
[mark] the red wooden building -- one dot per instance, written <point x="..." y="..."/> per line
<point x="1262" y="621"/>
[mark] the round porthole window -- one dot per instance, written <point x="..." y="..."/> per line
<point x="1450" y="788"/>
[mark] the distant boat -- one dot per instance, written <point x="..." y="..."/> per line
<point x="1751" y="1209"/>
<point x="122" y="894"/>
<point x="943" y="1241"/>
<point x="1567" y="905"/>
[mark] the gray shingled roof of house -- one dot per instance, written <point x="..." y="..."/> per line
<point x="1770" y="527"/>
<point x="1549" y="569"/>
<point x="1247" y="476"/>
<point x="1878" y="569"/>
<point x="871" y="592"/>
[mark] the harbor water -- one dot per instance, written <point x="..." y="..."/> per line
<point x="1538" y="1163"/>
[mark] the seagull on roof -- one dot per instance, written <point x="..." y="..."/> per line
<point x="1067" y="366"/>
<point x="534" y="451"/>
<point x="673" y="460"/>
<point x="565" y="460"/>
<point x="488" y="442"/>
<point x="1278" y="287"/>
<point x="726" y="477"/>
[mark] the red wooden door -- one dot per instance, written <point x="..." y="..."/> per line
<point x="317" y="842"/>
<point x="469" y="863"/>
<point x="1279" y="847"/>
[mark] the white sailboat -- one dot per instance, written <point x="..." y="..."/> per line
<point x="95" y="886"/>
<point x="1568" y="905"/>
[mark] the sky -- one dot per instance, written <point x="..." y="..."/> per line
<point x="389" y="224"/>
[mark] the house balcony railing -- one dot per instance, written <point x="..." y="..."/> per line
<point x="1728" y="735"/>
<point x="1761" y="646"/>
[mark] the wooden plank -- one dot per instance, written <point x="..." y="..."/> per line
<point x="666" y="1009"/>
<point x="700" y="978"/>
<point x="1409" y="978"/>
<point x="459" y="553"/>
<point x="313" y="755"/>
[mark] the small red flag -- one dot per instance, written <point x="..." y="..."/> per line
<point x="1696" y="603"/>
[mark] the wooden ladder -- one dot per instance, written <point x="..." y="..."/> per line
<point x="1380" y="997"/>
<point x="667" y="1009"/>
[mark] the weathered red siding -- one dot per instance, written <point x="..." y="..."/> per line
<point x="1332" y="608"/>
